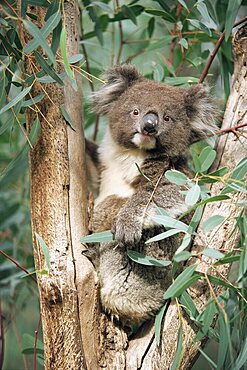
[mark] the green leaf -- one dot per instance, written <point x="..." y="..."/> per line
<point x="209" y="178"/>
<point x="182" y="256"/>
<point x="36" y="99"/>
<point x="38" y="36"/>
<point x="202" y="8"/>
<point x="206" y="317"/>
<point x="67" y="117"/>
<point x="160" y="44"/>
<point x="212" y="222"/>
<point x="67" y="68"/>
<point x="105" y="7"/>
<point x="214" y="253"/>
<point x="13" y="102"/>
<point x="228" y="259"/>
<point x="15" y="167"/>
<point x="162" y="13"/>
<point x="189" y="305"/>
<point x="183" y="3"/>
<point x="170" y="222"/>
<point x="102" y="237"/>
<point x="231" y="13"/>
<point x="158" y="322"/>
<point x="75" y="58"/>
<point x="206" y="158"/>
<point x="185" y="242"/>
<point x="158" y="72"/>
<point x="146" y="260"/>
<point x="176" y="81"/>
<point x="193" y="195"/>
<point x="49" y="79"/>
<point x="242" y="357"/>
<point x="179" y="351"/>
<point x="183" y="42"/>
<point x="45" y="249"/>
<point x="195" y="220"/>
<point x="47" y="68"/>
<point x="182" y="282"/>
<point x="223" y="343"/>
<point x="51" y="23"/>
<point x="128" y="13"/>
<point x="150" y="28"/>
<point x="164" y="235"/>
<point x="176" y="177"/>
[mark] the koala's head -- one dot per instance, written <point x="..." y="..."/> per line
<point x="153" y="116"/>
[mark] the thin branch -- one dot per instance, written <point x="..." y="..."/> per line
<point x="121" y="38"/>
<point x="17" y="264"/>
<point x="1" y="338"/>
<point x="214" y="52"/>
<point x="36" y="339"/>
<point x="231" y="129"/>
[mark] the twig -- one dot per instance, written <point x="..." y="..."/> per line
<point x="214" y="52"/>
<point x="1" y="339"/>
<point x="231" y="129"/>
<point x="121" y="38"/>
<point x="36" y="339"/>
<point x="17" y="264"/>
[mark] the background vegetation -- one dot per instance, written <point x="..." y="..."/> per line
<point x="168" y="41"/>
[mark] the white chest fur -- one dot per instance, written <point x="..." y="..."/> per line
<point x="120" y="167"/>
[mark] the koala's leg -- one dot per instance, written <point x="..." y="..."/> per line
<point x="128" y="291"/>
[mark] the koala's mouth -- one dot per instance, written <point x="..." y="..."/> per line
<point x="144" y="140"/>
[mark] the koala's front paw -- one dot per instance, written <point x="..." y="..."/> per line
<point x="127" y="231"/>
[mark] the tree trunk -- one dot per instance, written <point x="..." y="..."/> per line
<point x="142" y="351"/>
<point x="59" y="215"/>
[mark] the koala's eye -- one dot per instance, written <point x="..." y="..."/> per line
<point x="136" y="112"/>
<point x="167" y="118"/>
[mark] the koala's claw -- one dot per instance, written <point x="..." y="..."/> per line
<point x="127" y="234"/>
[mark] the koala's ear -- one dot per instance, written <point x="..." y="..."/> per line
<point x="201" y="111"/>
<point x="118" y="79"/>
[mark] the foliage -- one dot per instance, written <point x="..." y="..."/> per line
<point x="169" y="41"/>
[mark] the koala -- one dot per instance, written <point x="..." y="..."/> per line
<point x="150" y="128"/>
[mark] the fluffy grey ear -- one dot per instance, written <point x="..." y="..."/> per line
<point x="202" y="112"/>
<point x="118" y="79"/>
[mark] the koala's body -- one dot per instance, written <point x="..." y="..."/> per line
<point x="150" y="128"/>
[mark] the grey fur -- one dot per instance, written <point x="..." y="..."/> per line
<point x="128" y="290"/>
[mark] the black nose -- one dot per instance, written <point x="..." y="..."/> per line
<point x="150" y="123"/>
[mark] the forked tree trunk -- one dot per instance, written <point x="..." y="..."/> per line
<point x="76" y="335"/>
<point x="59" y="216"/>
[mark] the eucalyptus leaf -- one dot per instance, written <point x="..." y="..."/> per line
<point x="164" y="235"/>
<point x="184" y="43"/>
<point x="182" y="282"/>
<point x="50" y="24"/>
<point x="67" y="117"/>
<point x="207" y="158"/>
<point x="63" y="48"/>
<point x="193" y="195"/>
<point x="179" y="351"/>
<point x="176" y="177"/>
<point x="212" y="222"/>
<point x="102" y="237"/>
<point x="38" y="36"/>
<point x="146" y="260"/>
<point x="36" y="99"/>
<point x="45" y="249"/>
<point x="16" y="99"/>
<point x="47" y="68"/>
<point x="231" y="13"/>
<point x="158" y="322"/>
<point x="182" y="256"/>
<point x="170" y="222"/>
<point x="214" y="253"/>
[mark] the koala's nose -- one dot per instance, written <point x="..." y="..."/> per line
<point x="150" y="123"/>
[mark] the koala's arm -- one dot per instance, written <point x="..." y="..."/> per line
<point x="136" y="214"/>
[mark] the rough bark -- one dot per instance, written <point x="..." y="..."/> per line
<point x="142" y="351"/>
<point x="59" y="216"/>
